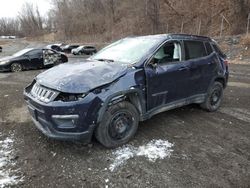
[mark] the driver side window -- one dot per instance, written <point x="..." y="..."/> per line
<point x="168" y="53"/>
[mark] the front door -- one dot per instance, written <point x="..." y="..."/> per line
<point x="36" y="59"/>
<point x="167" y="76"/>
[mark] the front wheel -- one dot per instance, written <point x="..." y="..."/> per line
<point x="118" y="126"/>
<point x="214" y="98"/>
<point x="16" y="67"/>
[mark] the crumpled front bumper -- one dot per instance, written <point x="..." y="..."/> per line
<point x="50" y="119"/>
<point x="51" y="133"/>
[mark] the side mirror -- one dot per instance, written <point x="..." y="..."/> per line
<point x="153" y="65"/>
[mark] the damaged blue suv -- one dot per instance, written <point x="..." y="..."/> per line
<point x="127" y="82"/>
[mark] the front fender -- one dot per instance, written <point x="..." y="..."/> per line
<point x="120" y="96"/>
<point x="129" y="87"/>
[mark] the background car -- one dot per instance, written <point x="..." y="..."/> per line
<point x="88" y="50"/>
<point x="1" y="49"/>
<point x="68" y="48"/>
<point x="32" y="59"/>
<point x="55" y="47"/>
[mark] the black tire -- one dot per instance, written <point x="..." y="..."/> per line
<point x="213" y="98"/>
<point x="118" y="126"/>
<point x="16" y="67"/>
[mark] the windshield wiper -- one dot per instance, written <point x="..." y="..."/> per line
<point x="107" y="60"/>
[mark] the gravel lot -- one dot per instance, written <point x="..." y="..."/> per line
<point x="205" y="149"/>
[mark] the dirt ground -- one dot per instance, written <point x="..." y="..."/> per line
<point x="209" y="149"/>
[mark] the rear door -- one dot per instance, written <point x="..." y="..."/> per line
<point x="212" y="66"/>
<point x="200" y="63"/>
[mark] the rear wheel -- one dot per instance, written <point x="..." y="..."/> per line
<point x="16" y="67"/>
<point x="118" y="126"/>
<point x="214" y="97"/>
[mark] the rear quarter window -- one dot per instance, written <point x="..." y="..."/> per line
<point x="208" y="48"/>
<point x="217" y="49"/>
<point x="194" y="49"/>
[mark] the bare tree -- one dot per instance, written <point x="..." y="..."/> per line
<point x="30" y="20"/>
<point x="111" y="19"/>
<point x="153" y="13"/>
<point x="9" y="26"/>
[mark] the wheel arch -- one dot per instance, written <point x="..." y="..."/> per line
<point x="134" y="96"/>
<point x="221" y="80"/>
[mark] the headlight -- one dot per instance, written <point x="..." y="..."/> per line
<point x="66" y="97"/>
<point x="4" y="62"/>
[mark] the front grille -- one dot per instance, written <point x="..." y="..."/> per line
<point x="43" y="94"/>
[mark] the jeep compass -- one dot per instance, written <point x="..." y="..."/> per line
<point x="129" y="81"/>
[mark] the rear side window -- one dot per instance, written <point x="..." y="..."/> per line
<point x="208" y="48"/>
<point x="194" y="49"/>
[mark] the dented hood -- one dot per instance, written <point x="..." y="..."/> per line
<point x="81" y="77"/>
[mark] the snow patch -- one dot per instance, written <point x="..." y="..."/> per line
<point x="121" y="156"/>
<point x="6" y="153"/>
<point x="155" y="149"/>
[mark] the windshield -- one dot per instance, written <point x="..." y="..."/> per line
<point x="128" y="50"/>
<point x="24" y="51"/>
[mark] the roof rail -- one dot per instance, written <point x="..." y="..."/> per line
<point x="189" y="35"/>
